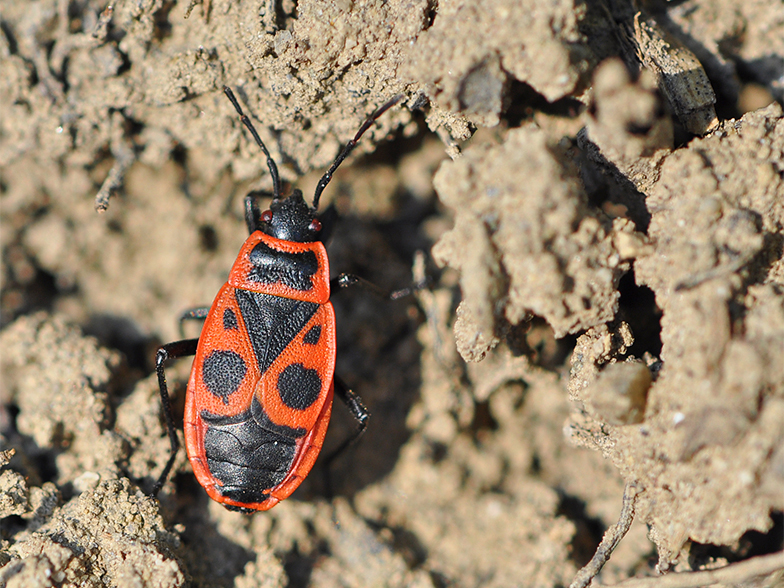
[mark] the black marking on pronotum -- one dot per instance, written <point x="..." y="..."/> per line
<point x="223" y="372"/>
<point x="298" y="386"/>
<point x="272" y="323"/>
<point x="295" y="270"/>
<point x="313" y="335"/>
<point x="229" y="320"/>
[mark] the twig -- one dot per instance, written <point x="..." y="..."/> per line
<point x="733" y="574"/>
<point x="205" y="8"/>
<point x="124" y="156"/>
<point x="101" y="27"/>
<point x="679" y="73"/>
<point x="612" y="537"/>
<point x="716" y="272"/>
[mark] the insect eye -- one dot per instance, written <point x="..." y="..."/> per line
<point x="266" y="216"/>
<point x="315" y="225"/>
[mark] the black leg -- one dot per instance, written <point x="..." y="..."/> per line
<point x="194" y="314"/>
<point x="252" y="213"/>
<point x="252" y="210"/>
<point x="328" y="219"/>
<point x="358" y="410"/>
<point x="347" y="280"/>
<point x="170" y="351"/>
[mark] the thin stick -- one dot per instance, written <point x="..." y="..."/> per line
<point x="124" y="156"/>
<point x="732" y="575"/>
<point x="612" y="537"/>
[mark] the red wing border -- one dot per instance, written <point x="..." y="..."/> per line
<point x="259" y="401"/>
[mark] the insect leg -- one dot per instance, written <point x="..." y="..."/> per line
<point x="252" y="210"/>
<point x="193" y="314"/>
<point x="347" y="280"/>
<point x="166" y="352"/>
<point x="358" y="410"/>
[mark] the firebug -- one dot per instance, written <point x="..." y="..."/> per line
<point x="260" y="393"/>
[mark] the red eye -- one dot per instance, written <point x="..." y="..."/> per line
<point x="266" y="216"/>
<point x="315" y="225"/>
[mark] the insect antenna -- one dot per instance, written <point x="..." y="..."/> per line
<point x="270" y="162"/>
<point x="350" y="147"/>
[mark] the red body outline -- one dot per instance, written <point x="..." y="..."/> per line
<point x="287" y="408"/>
<point x="315" y="419"/>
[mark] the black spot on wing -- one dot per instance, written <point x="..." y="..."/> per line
<point x="298" y="386"/>
<point x="313" y="335"/>
<point x="229" y="320"/>
<point x="223" y="372"/>
<point x="272" y="323"/>
<point x="295" y="270"/>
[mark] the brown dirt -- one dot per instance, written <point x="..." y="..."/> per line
<point x="615" y="286"/>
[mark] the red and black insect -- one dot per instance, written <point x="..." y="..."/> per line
<point x="260" y="393"/>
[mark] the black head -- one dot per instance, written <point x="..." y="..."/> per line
<point x="291" y="219"/>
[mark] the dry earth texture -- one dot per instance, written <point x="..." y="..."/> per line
<point x="594" y="190"/>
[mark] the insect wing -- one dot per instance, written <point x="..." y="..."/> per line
<point x="225" y="371"/>
<point x="293" y="390"/>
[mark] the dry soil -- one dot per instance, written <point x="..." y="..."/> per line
<point x="593" y="189"/>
